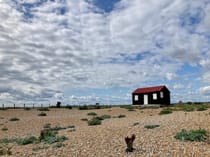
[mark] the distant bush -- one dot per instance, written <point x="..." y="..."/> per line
<point x="188" y="108"/>
<point x="43" y="109"/>
<point x="94" y="121"/>
<point x="202" y="108"/>
<point x="166" y="111"/>
<point x="91" y="114"/>
<point x="151" y="126"/>
<point x="192" y="135"/>
<point x="84" y="107"/>
<point x="69" y="107"/>
<point x="42" y="114"/>
<point x="14" y="119"/>
<point x="27" y="108"/>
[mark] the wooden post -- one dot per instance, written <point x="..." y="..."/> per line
<point x="14" y="106"/>
<point x="24" y="105"/>
<point x="41" y="105"/>
<point x="3" y="106"/>
<point x="33" y="105"/>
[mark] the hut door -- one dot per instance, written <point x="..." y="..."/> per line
<point x="145" y="99"/>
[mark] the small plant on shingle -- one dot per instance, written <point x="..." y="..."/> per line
<point x="151" y="126"/>
<point x="91" y="114"/>
<point x="121" y="116"/>
<point x="47" y="126"/>
<point x="4" y="129"/>
<point x="59" y="145"/>
<point x="136" y="123"/>
<point x="42" y="114"/>
<point x="105" y="116"/>
<point x="14" y="119"/>
<point x="94" y="121"/>
<point x="192" y="135"/>
<point x="84" y="119"/>
<point x="5" y="150"/>
<point x="27" y="140"/>
<point x="165" y="111"/>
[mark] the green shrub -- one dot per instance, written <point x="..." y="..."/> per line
<point x="94" y="121"/>
<point x="27" y="140"/>
<point x="192" y="135"/>
<point x="14" y="119"/>
<point x="201" y="108"/>
<point x="151" y="126"/>
<point x="188" y="108"/>
<point x="105" y="116"/>
<point x="91" y="114"/>
<point x="166" y="111"/>
<point x="43" y="109"/>
<point x="42" y="114"/>
<point x="121" y="116"/>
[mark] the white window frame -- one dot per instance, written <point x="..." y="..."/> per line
<point x="154" y="96"/>
<point x="161" y="94"/>
<point x="136" y="97"/>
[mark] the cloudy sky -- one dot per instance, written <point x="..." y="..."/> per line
<point x="88" y="51"/>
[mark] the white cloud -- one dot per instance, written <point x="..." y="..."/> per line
<point x="55" y="46"/>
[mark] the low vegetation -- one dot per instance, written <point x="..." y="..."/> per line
<point x="136" y="123"/>
<point x="43" y="109"/>
<point x="5" y="150"/>
<point x="91" y="114"/>
<point x="192" y="135"/>
<point x="165" y="111"/>
<point x="14" y="119"/>
<point x="151" y="126"/>
<point x="42" y="114"/>
<point x="121" y="116"/>
<point x="4" y="128"/>
<point x="94" y="121"/>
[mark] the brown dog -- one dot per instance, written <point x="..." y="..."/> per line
<point x="129" y="142"/>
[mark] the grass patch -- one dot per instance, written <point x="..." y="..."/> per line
<point x="165" y="111"/>
<point x="94" y="121"/>
<point x="91" y="114"/>
<point x="14" y="119"/>
<point x="151" y="126"/>
<point x="59" y="145"/>
<point x="27" y="140"/>
<point x="42" y="114"/>
<point x="192" y="135"/>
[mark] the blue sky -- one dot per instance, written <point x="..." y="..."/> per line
<point x="88" y="51"/>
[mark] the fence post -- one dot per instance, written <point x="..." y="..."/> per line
<point x="14" y="106"/>
<point x="24" y="105"/>
<point x="3" y="106"/>
<point x="33" y="105"/>
<point x="41" y="105"/>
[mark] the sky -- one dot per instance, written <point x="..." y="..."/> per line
<point x="100" y="51"/>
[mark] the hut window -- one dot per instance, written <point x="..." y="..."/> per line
<point x="136" y="97"/>
<point x="161" y="94"/>
<point x="154" y="96"/>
